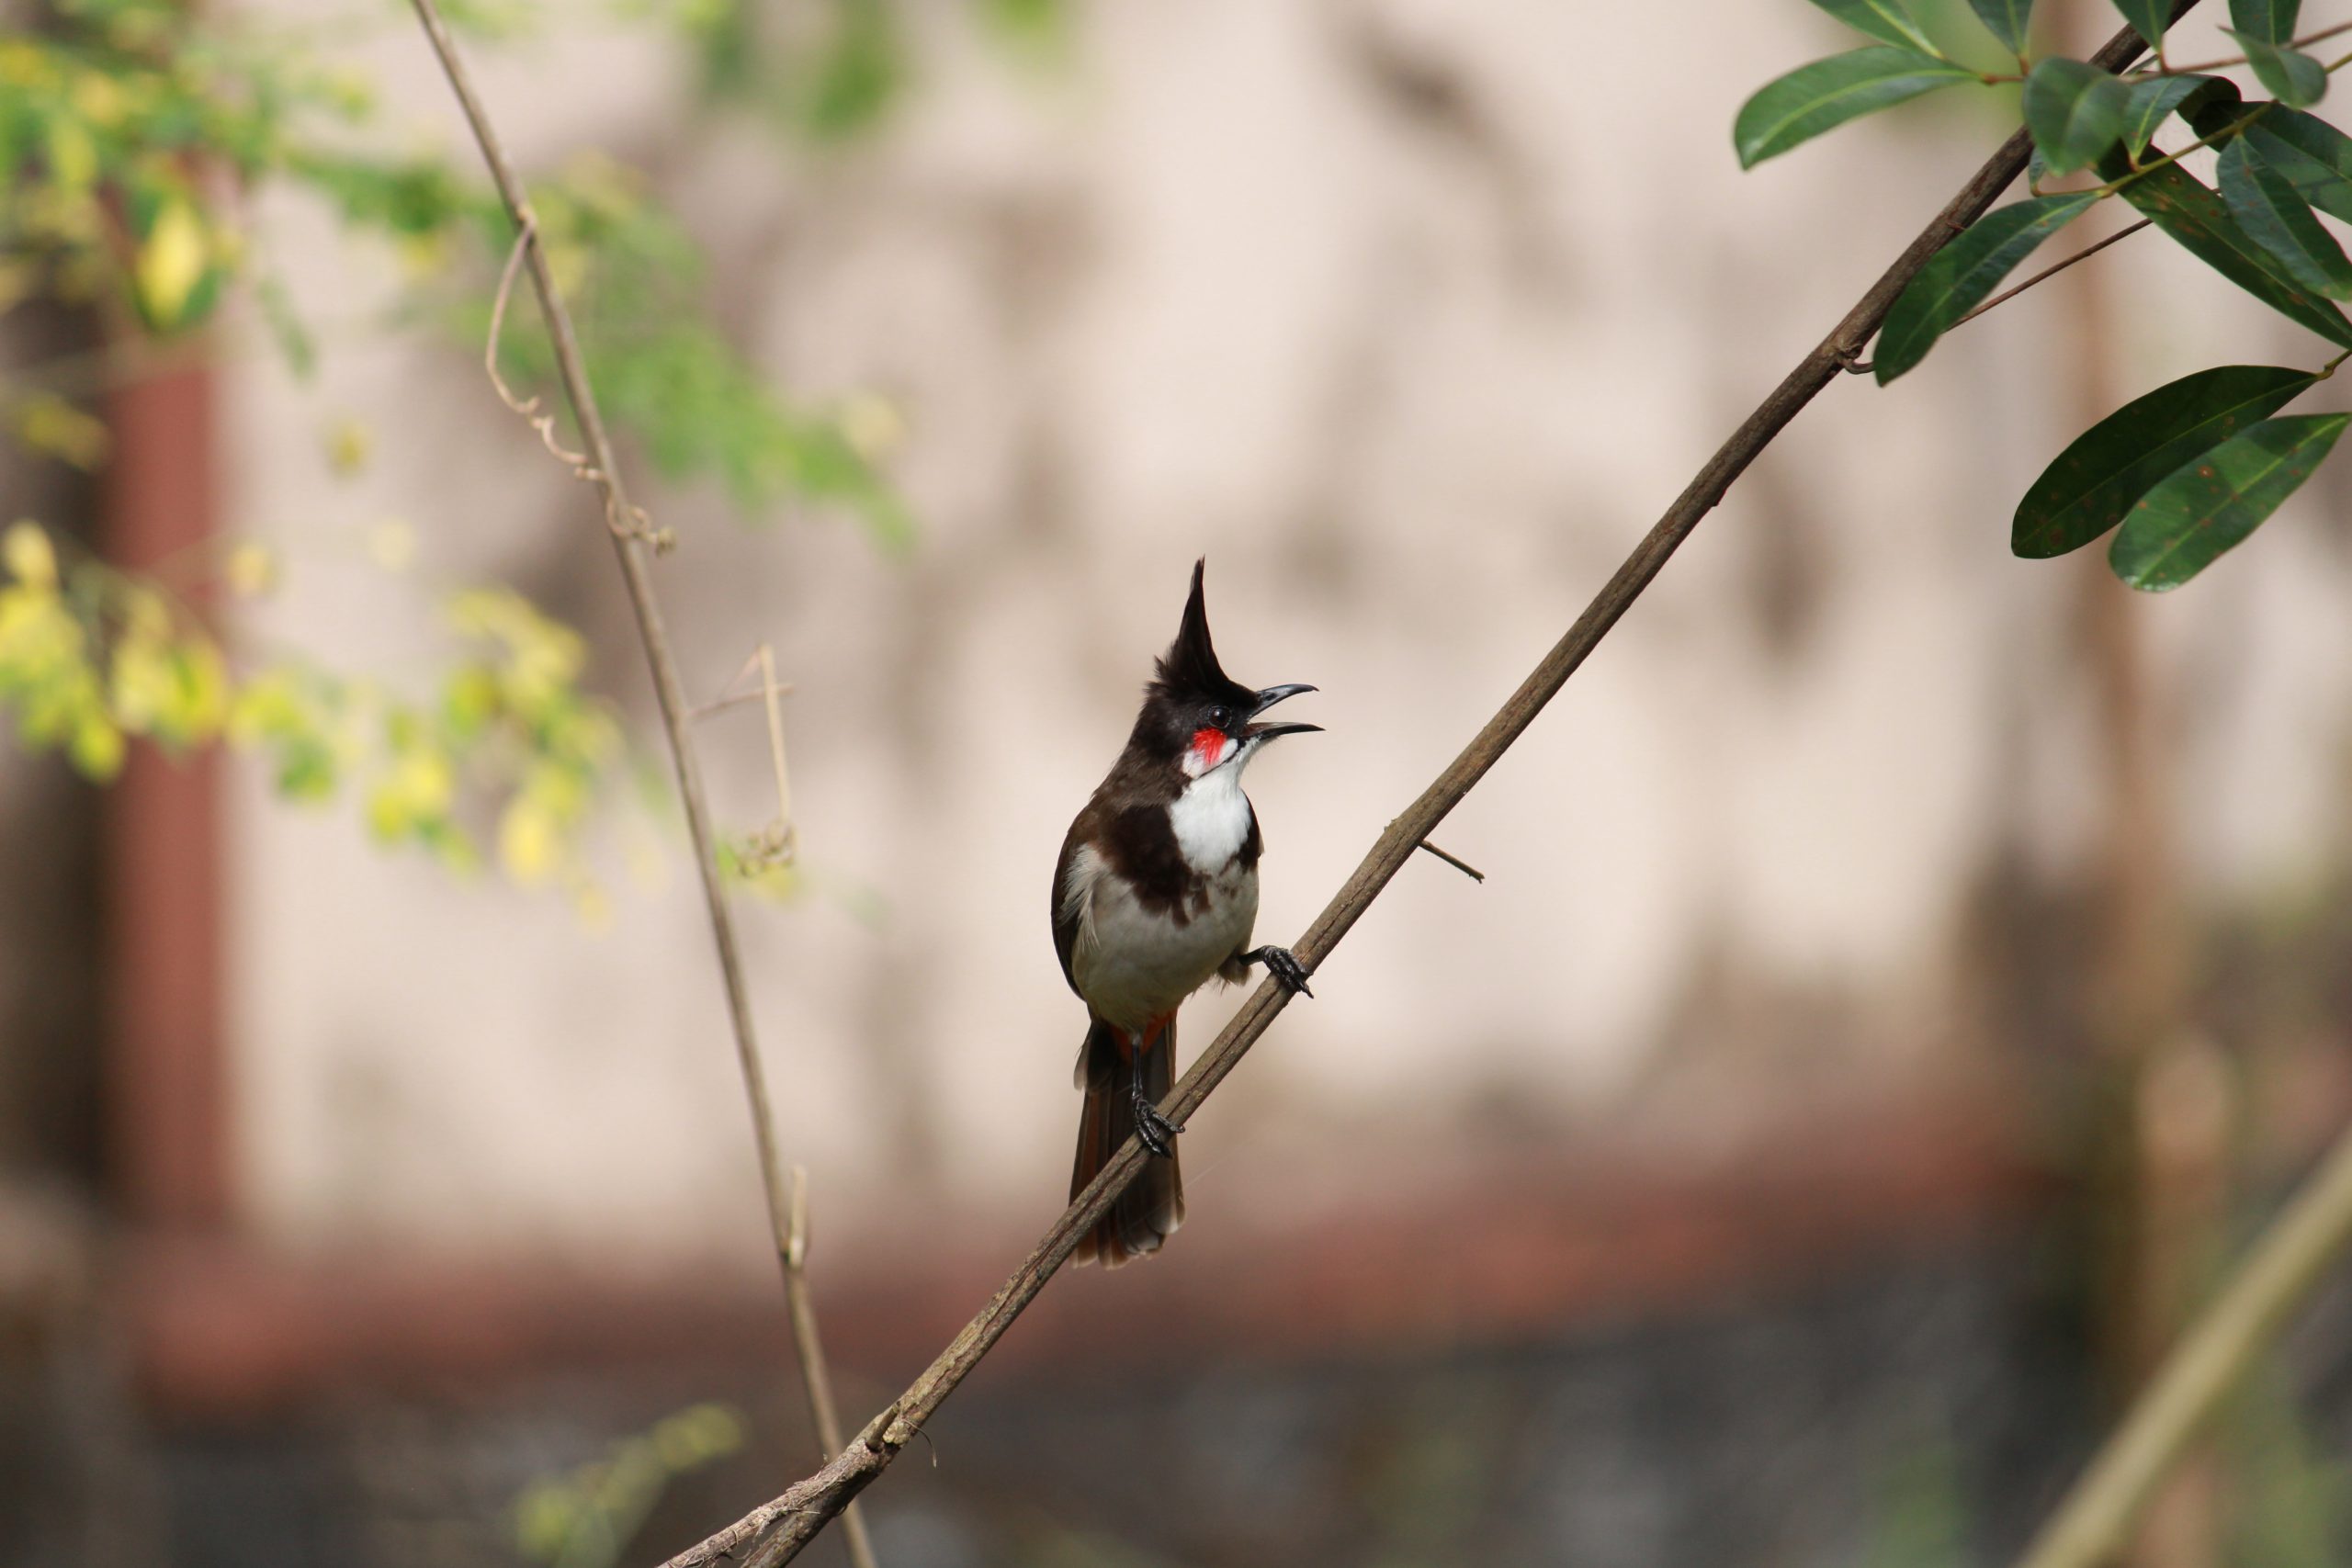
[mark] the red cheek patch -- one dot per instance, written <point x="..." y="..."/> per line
<point x="1208" y="745"/>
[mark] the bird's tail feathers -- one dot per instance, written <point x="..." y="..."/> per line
<point x="1148" y="1212"/>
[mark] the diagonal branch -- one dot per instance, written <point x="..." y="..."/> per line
<point x="801" y="1511"/>
<point x="631" y="538"/>
<point x="2211" y="1360"/>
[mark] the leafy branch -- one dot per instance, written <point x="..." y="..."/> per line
<point x="2279" y="167"/>
<point x="785" y="1525"/>
<point x="133" y="134"/>
<point x="93" y="658"/>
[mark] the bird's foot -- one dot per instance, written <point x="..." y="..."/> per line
<point x="1154" y="1131"/>
<point x="1284" y="966"/>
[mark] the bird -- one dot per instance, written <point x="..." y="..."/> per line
<point x="1156" y="893"/>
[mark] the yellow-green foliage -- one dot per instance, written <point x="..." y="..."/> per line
<point x="506" y="742"/>
<point x="586" y="1519"/>
<point x="132" y="133"/>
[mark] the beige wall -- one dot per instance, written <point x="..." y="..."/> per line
<point x="1410" y="317"/>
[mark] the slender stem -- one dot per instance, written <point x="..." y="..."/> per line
<point x="815" y="1372"/>
<point x="2286" y="1265"/>
<point x="2053" y="270"/>
<point x="1864" y="366"/>
<point x="740" y="699"/>
<point x="2307" y="39"/>
<point x="773" y="693"/>
<point x="2139" y="171"/>
<point x="802" y="1510"/>
<point x="630" y="547"/>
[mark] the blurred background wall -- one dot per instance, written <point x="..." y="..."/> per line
<point x="1745" y="1099"/>
<point x="1410" y="328"/>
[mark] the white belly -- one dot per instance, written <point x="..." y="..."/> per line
<point x="1133" y="965"/>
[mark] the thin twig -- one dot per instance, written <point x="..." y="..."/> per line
<point x="2052" y="271"/>
<point x="814" y="1369"/>
<point x="1864" y="366"/>
<point x="729" y="697"/>
<point x="1456" y="862"/>
<point x="526" y="231"/>
<point x="801" y="1511"/>
<point x="2307" y="39"/>
<point x="738" y="700"/>
<point x="620" y="515"/>
<point x="2211" y="1360"/>
<point x="785" y="828"/>
<point x="630" y="540"/>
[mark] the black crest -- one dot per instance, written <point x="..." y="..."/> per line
<point x="1188" y="671"/>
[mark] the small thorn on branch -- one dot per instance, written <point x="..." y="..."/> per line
<point x="1456" y="862"/>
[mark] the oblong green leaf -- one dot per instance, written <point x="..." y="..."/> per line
<point x="1958" y="277"/>
<point x="2293" y="77"/>
<point x="2147" y="18"/>
<point x="2087" y="488"/>
<point x="2075" y="112"/>
<point x="1827" y="94"/>
<point x="2315" y="157"/>
<point x="2008" y="18"/>
<point x="2266" y="204"/>
<point x="2183" y="525"/>
<point x="1884" y="20"/>
<point x="2196" y="219"/>
<point x="2150" y="102"/>
<point x="2273" y="21"/>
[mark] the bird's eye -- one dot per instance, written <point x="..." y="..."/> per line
<point x="1220" y="718"/>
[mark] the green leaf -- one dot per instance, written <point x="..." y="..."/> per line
<point x="2196" y="219"/>
<point x="2213" y="107"/>
<point x="2263" y="201"/>
<point x="1958" y="277"/>
<point x="2008" y="18"/>
<point x="857" y="72"/>
<point x="2315" y="157"/>
<point x="2273" y="21"/>
<point x="1827" y="94"/>
<point x="2147" y="18"/>
<point x="1884" y="20"/>
<point x="2293" y="77"/>
<point x="2150" y="103"/>
<point x="2087" y="488"/>
<point x="2075" y="112"/>
<point x="2183" y="525"/>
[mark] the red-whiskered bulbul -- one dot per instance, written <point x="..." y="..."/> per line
<point x="1156" y="891"/>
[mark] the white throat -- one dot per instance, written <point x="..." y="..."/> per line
<point x="1211" y="818"/>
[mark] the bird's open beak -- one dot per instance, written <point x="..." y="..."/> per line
<point x="1267" y="699"/>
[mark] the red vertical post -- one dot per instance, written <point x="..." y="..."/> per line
<point x="168" y="1121"/>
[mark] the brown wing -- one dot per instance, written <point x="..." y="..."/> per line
<point x="1067" y="914"/>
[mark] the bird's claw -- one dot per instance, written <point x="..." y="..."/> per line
<point x="1154" y="1131"/>
<point x="1284" y="966"/>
